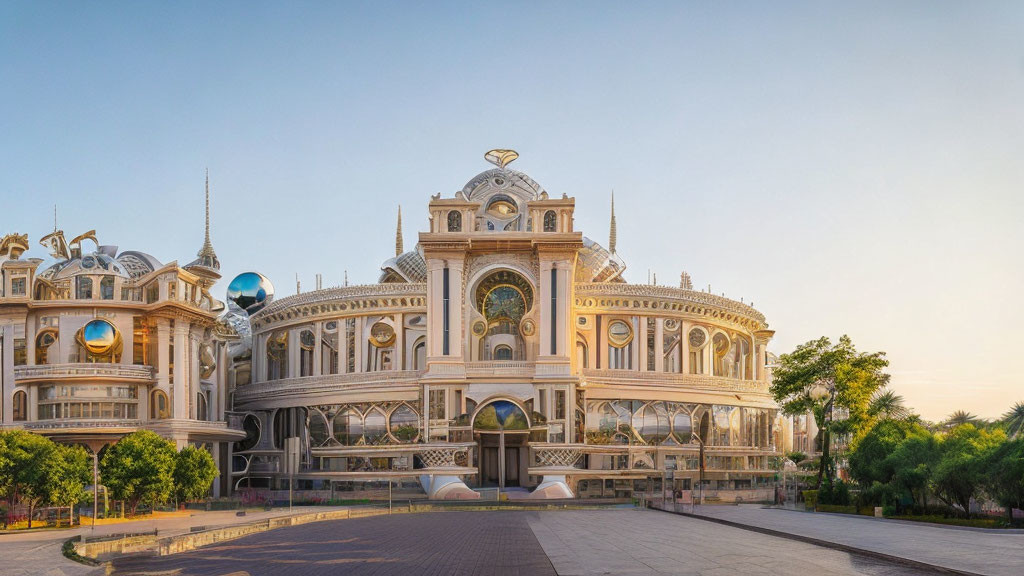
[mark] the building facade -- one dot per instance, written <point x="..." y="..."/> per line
<point x="97" y="343"/>
<point x="506" y="351"/>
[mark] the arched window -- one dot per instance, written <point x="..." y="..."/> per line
<point x="277" y="355"/>
<point x="404" y="424"/>
<point x="455" y="221"/>
<point x="698" y="339"/>
<point x="348" y="428"/>
<point x="44" y="340"/>
<point x="159" y="407"/>
<point x="419" y="355"/>
<point x="202" y="407"/>
<point x="307" y="341"/>
<point x="20" y="406"/>
<point x="375" y="428"/>
<point x="83" y="288"/>
<point x="319" y="434"/>
<point x="582" y="354"/>
<point x="107" y="288"/>
<point x="720" y="347"/>
<point x="503" y="352"/>
<point x="550" y="221"/>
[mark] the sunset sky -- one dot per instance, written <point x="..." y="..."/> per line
<point x="849" y="168"/>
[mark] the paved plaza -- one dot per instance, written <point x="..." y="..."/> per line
<point x="995" y="552"/>
<point x="620" y="541"/>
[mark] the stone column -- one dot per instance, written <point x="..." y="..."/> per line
<point x="7" y="370"/>
<point x="358" y="342"/>
<point x="659" y="344"/>
<point x="640" y="338"/>
<point x="398" y="360"/>
<point x="318" y="349"/>
<point x="684" y="346"/>
<point x="194" y="376"/>
<point x="162" y="349"/>
<point x="294" y="355"/>
<point x="457" y="333"/>
<point x="30" y="341"/>
<point x="180" y="399"/>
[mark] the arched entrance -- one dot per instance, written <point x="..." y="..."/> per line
<point x="501" y="429"/>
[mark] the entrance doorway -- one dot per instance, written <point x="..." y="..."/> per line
<point x="501" y="458"/>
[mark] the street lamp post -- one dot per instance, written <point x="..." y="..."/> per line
<point x="700" y="442"/>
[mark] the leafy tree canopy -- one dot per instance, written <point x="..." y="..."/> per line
<point x="960" y="469"/>
<point x="139" y="468"/>
<point x="868" y="459"/>
<point x="194" y="471"/>
<point x="856" y="377"/>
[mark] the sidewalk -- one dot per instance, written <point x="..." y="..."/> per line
<point x="34" y="553"/>
<point x="994" y="552"/>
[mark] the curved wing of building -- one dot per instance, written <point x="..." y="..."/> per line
<point x="99" y="343"/>
<point x="506" y="352"/>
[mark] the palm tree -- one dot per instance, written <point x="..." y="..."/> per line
<point x="1014" y="420"/>
<point x="889" y="405"/>
<point x="960" y="417"/>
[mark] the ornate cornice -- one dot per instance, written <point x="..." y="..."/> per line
<point x="633" y="298"/>
<point x="343" y="301"/>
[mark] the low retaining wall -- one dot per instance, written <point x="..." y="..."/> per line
<point x="108" y="548"/>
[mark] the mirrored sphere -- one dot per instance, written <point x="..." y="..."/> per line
<point x="250" y="291"/>
<point x="99" y="336"/>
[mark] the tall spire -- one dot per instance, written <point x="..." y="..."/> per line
<point x="611" y="228"/>
<point x="207" y="256"/>
<point x="398" y="234"/>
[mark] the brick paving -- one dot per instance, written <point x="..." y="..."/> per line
<point x="573" y="542"/>
<point x="444" y="543"/>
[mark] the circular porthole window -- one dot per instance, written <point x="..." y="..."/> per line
<point x="620" y="334"/>
<point x="382" y="335"/>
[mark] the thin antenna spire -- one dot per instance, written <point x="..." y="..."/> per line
<point x="207" y="205"/>
<point x="346" y="277"/>
<point x="207" y="256"/>
<point x="54" y="217"/>
<point x="398" y="234"/>
<point x="611" y="229"/>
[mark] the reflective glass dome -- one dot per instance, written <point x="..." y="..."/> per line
<point x="250" y="291"/>
<point x="99" y="336"/>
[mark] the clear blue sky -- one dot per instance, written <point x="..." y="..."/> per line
<point x="849" y="168"/>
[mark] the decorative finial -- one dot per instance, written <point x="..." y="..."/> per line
<point x="398" y="234"/>
<point x="500" y="157"/>
<point x="611" y="228"/>
<point x="655" y="278"/>
<point x="298" y="286"/>
<point x="55" y="218"/>
<point x="685" y="282"/>
<point x="346" y="277"/>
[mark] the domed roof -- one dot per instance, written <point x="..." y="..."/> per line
<point x="406" y="267"/>
<point x="596" y="264"/>
<point x="502" y="180"/>
<point x="138" y="263"/>
<point x="94" y="263"/>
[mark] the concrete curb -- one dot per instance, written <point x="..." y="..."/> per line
<point x="827" y="544"/>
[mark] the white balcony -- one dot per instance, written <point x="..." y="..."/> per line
<point x="84" y="371"/>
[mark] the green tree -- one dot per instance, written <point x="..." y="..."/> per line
<point x="911" y="464"/>
<point x="887" y="404"/>
<point x="960" y="470"/>
<point x="25" y="469"/>
<point x="1014" y="420"/>
<point x="194" y="471"/>
<point x="67" y="472"/>
<point x="853" y="376"/>
<point x="139" y="468"/>
<point x="1003" y="480"/>
<point x="960" y="417"/>
<point x="868" y="459"/>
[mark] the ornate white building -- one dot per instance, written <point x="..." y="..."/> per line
<point x="99" y="342"/>
<point x="504" y="350"/>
